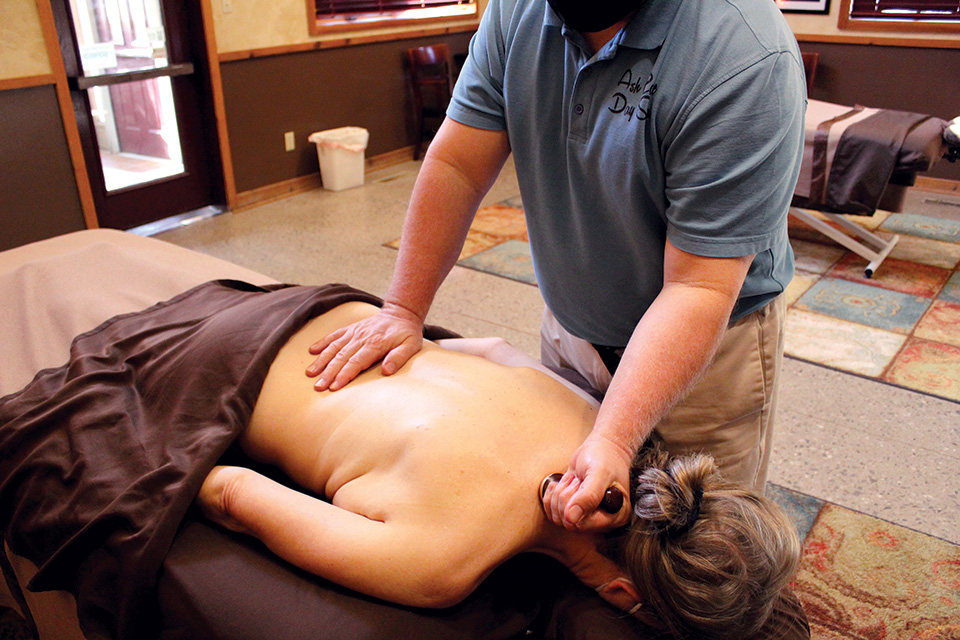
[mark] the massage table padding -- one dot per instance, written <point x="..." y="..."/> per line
<point x="59" y="288"/>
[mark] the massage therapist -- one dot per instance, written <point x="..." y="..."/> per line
<point x="657" y="144"/>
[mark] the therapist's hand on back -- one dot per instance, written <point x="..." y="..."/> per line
<point x="393" y="335"/>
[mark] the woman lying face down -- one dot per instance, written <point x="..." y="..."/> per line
<point x="427" y="480"/>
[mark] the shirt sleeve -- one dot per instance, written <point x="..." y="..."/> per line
<point x="732" y="164"/>
<point x="478" y="97"/>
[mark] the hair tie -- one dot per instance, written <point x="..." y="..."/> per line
<point x="694" y="513"/>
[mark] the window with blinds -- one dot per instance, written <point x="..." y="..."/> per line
<point x="932" y="16"/>
<point x="356" y="14"/>
<point x="905" y="9"/>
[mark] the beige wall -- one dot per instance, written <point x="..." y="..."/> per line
<point x="816" y="24"/>
<point x="253" y="24"/>
<point x="22" y="49"/>
<point x="249" y="25"/>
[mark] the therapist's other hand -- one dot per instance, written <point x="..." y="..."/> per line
<point x="393" y="335"/>
<point x="573" y="502"/>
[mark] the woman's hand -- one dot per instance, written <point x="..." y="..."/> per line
<point x="394" y="335"/>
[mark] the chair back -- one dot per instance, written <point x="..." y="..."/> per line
<point x="431" y="66"/>
<point x="810" y="61"/>
<point x="430" y="70"/>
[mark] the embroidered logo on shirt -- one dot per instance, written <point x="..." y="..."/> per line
<point x="633" y="97"/>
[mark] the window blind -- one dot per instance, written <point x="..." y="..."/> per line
<point x="326" y="8"/>
<point x="905" y="9"/>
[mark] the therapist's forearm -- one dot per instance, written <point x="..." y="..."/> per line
<point x="670" y="349"/>
<point x="457" y="172"/>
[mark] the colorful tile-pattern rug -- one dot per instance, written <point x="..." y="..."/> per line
<point x="902" y="326"/>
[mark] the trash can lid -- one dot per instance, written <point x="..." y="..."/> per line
<point x="350" y="138"/>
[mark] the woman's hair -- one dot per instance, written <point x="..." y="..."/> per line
<point x="710" y="559"/>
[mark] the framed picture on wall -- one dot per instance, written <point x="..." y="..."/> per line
<point x="804" y="6"/>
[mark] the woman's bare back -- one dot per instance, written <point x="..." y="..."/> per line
<point x="415" y="445"/>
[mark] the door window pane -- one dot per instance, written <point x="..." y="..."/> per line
<point x="137" y="132"/>
<point x="119" y="35"/>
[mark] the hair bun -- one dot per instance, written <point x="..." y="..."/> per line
<point x="669" y="495"/>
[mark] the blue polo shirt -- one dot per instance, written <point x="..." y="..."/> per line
<point x="687" y="126"/>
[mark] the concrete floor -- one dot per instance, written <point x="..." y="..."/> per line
<point x="862" y="444"/>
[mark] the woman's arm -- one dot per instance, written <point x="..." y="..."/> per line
<point x="400" y="563"/>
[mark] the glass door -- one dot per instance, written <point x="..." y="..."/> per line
<point x="139" y="100"/>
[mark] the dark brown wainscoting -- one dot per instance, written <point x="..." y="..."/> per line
<point x="362" y="85"/>
<point x="904" y="78"/>
<point x="38" y="190"/>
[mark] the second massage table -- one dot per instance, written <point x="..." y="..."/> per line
<point x="857" y="160"/>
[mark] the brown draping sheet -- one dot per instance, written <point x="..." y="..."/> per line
<point x="101" y="458"/>
<point x="865" y="160"/>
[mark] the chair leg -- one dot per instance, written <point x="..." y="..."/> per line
<point x="419" y="144"/>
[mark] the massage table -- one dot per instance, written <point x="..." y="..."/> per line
<point x="213" y="583"/>
<point x="857" y="160"/>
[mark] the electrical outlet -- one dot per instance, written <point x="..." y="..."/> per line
<point x="226" y="6"/>
<point x="289" y="142"/>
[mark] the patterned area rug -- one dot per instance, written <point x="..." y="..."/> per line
<point x="862" y="578"/>
<point x="902" y="326"/>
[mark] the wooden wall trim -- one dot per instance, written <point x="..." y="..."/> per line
<point x="938" y="184"/>
<point x="300" y="184"/>
<point x="67" y="115"/>
<point x="25" y="82"/>
<point x="426" y="32"/>
<point x="293" y="186"/>
<point x="277" y="191"/>
<point x="219" y="106"/>
<point x="885" y="41"/>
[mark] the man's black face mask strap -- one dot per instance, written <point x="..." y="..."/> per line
<point x="589" y="16"/>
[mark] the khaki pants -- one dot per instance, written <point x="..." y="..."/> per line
<point x="728" y="414"/>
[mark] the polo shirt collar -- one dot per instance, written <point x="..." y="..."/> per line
<point x="646" y="31"/>
<point x="649" y="27"/>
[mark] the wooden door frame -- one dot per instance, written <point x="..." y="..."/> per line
<point x="69" y="118"/>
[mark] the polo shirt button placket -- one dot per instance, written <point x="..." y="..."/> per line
<point x="578" y="109"/>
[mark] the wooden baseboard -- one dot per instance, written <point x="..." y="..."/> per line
<point x="390" y="158"/>
<point x="276" y="191"/>
<point x="941" y="185"/>
<point x="293" y="186"/>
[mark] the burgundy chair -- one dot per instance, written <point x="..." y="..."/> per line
<point x="810" y="61"/>
<point x="430" y="71"/>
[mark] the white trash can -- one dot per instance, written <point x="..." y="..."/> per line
<point x="341" y="152"/>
